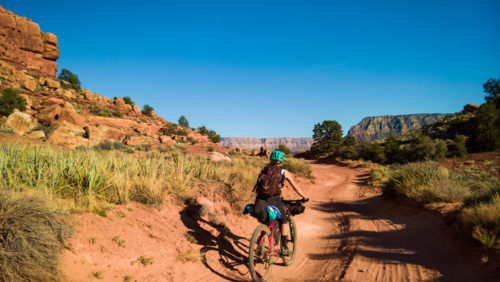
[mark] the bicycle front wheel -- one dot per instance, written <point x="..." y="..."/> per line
<point x="260" y="262"/>
<point x="292" y="243"/>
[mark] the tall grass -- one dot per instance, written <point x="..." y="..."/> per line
<point x="299" y="167"/>
<point x="427" y="182"/>
<point x="92" y="178"/>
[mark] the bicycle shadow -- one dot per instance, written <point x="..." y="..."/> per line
<point x="232" y="250"/>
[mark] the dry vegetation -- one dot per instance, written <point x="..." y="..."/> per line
<point x="429" y="182"/>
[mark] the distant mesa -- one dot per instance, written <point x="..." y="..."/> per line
<point x="294" y="144"/>
<point x="380" y="127"/>
<point x="25" y="46"/>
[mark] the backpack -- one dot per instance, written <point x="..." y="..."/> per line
<point x="270" y="181"/>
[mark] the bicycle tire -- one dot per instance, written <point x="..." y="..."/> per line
<point x="260" y="265"/>
<point x="288" y="260"/>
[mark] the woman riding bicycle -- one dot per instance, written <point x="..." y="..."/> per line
<point x="269" y="184"/>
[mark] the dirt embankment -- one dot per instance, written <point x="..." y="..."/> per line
<point x="347" y="233"/>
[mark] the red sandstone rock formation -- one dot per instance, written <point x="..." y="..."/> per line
<point x="24" y="46"/>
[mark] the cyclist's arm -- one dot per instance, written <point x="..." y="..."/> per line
<point x="289" y="178"/>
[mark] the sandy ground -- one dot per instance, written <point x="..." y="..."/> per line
<point x="347" y="233"/>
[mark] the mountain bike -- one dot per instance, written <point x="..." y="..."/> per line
<point x="265" y="244"/>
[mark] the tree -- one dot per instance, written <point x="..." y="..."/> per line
<point x="492" y="90"/>
<point x="349" y="141"/>
<point x="327" y="137"/>
<point x="391" y="147"/>
<point x="203" y="130"/>
<point x="460" y="148"/>
<point x="147" y="110"/>
<point x="212" y="135"/>
<point x="486" y="136"/>
<point x="10" y="100"/>
<point x="284" y="149"/>
<point x="70" y="77"/>
<point x="183" y="121"/>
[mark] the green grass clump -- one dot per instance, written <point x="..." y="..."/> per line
<point x="145" y="260"/>
<point x="192" y="255"/>
<point x="32" y="236"/>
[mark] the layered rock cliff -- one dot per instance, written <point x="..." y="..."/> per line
<point x="293" y="144"/>
<point x="24" y="46"/>
<point x="375" y="128"/>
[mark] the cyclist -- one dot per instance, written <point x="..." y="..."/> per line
<point x="268" y="188"/>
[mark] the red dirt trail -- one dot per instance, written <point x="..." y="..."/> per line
<point x="347" y="233"/>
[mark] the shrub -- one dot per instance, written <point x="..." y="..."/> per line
<point x="212" y="135"/>
<point x="10" y="100"/>
<point x="147" y="110"/>
<point x="299" y="167"/>
<point x="32" y="237"/>
<point x="173" y="129"/>
<point x="128" y="101"/>
<point x="70" y="77"/>
<point x="284" y="149"/>
<point x="460" y="149"/>
<point x="109" y="145"/>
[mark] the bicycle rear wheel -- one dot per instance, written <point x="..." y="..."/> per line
<point x="261" y="263"/>
<point x="292" y="243"/>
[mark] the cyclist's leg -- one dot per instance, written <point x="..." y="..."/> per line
<point x="276" y="201"/>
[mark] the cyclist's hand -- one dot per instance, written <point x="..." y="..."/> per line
<point x="305" y="199"/>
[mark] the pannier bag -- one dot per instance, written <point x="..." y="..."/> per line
<point x="297" y="208"/>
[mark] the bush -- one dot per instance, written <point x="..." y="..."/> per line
<point x="10" y="100"/>
<point x="212" y="135"/>
<point x="459" y="149"/>
<point x="32" y="237"/>
<point x="147" y="110"/>
<point x="425" y="182"/>
<point x="128" y="101"/>
<point x="284" y="149"/>
<point x="104" y="113"/>
<point x="173" y="129"/>
<point x="299" y="167"/>
<point x="109" y="145"/>
<point x="70" y="77"/>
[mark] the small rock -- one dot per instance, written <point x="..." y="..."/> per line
<point x="38" y="134"/>
<point x="53" y="83"/>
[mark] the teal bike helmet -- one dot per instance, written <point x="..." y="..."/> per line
<point x="277" y="156"/>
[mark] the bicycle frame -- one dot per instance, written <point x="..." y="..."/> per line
<point x="272" y="251"/>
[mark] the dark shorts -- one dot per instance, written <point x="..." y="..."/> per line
<point x="260" y="207"/>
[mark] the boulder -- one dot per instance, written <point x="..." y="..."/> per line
<point x="67" y="134"/>
<point x="42" y="81"/>
<point x="49" y="115"/>
<point x="20" y="122"/>
<point x="37" y="135"/>
<point x="30" y="84"/>
<point x="166" y="140"/>
<point x="54" y="101"/>
<point x="139" y="140"/>
<point x="69" y="114"/>
<point x="53" y="83"/>
<point x="471" y="108"/>
<point x="217" y="157"/>
<point x="137" y="109"/>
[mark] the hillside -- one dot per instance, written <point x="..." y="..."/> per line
<point x="59" y="112"/>
<point x="376" y="128"/>
<point x="293" y="144"/>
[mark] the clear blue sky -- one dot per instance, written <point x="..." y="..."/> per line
<point x="274" y="68"/>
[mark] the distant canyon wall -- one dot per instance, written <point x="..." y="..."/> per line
<point x="294" y="144"/>
<point x="376" y="128"/>
<point x="25" y="46"/>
